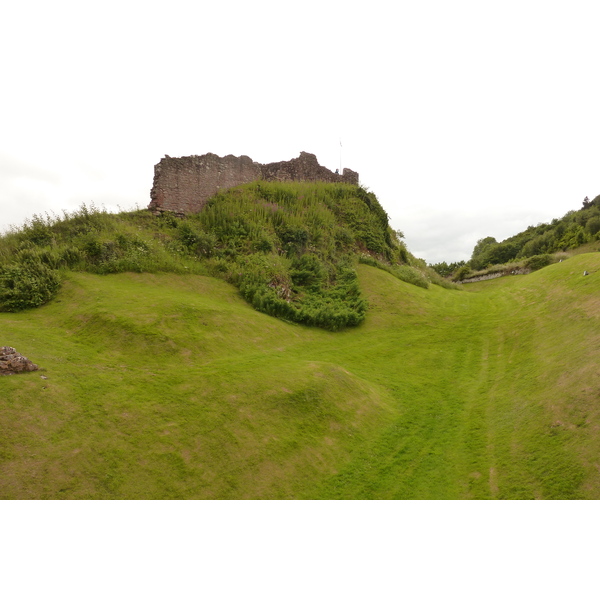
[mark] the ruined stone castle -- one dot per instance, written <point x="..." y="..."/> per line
<point x="183" y="185"/>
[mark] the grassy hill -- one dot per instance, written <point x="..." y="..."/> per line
<point x="171" y="385"/>
<point x="290" y="248"/>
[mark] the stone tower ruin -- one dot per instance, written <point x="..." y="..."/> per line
<point x="183" y="185"/>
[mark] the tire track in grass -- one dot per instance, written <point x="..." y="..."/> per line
<point x="527" y="459"/>
<point x="420" y="456"/>
<point x="504" y="391"/>
<point x="475" y="429"/>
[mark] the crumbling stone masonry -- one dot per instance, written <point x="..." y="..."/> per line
<point x="183" y="185"/>
<point x="12" y="362"/>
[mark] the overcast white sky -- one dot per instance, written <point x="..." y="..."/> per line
<point x="466" y="118"/>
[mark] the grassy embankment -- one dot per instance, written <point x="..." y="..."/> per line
<point x="290" y="248"/>
<point x="171" y="386"/>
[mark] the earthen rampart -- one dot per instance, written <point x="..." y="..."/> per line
<point x="183" y="185"/>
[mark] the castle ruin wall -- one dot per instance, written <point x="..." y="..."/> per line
<point x="184" y="185"/>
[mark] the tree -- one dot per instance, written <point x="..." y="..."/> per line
<point x="461" y="273"/>
<point x="481" y="246"/>
<point x="445" y="270"/>
<point x="479" y="258"/>
<point x="593" y="225"/>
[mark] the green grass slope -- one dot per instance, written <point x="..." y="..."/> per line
<point x="172" y="386"/>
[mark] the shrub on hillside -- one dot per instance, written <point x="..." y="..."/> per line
<point x="537" y="262"/>
<point x="461" y="273"/>
<point x="308" y="271"/>
<point x="27" y="285"/>
<point x="293" y="239"/>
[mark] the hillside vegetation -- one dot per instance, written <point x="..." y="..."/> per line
<point x="571" y="231"/>
<point x="290" y="248"/>
<point x="536" y="247"/>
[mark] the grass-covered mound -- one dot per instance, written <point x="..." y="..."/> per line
<point x="290" y="248"/>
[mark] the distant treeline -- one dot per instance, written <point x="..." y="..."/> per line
<point x="576" y="228"/>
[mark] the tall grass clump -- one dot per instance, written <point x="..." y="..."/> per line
<point x="405" y="273"/>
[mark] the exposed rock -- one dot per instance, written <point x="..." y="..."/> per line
<point x="495" y="275"/>
<point x="12" y="362"/>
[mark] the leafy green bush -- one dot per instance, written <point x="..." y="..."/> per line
<point x="70" y="256"/>
<point x="461" y="273"/>
<point x="308" y="271"/>
<point x="293" y="239"/>
<point x="205" y="246"/>
<point x="343" y="238"/>
<point x="187" y="235"/>
<point x="27" y="285"/>
<point x="537" y="262"/>
<point x="263" y="244"/>
<point x="38" y="230"/>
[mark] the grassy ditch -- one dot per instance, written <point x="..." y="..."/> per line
<point x="169" y="385"/>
